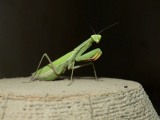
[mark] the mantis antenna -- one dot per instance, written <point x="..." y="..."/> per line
<point x="92" y="30"/>
<point x="108" y="27"/>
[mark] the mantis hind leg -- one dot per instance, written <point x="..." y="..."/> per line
<point x="54" y="69"/>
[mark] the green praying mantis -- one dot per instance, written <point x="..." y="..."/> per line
<point x="58" y="67"/>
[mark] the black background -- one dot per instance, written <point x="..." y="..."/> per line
<point x="131" y="49"/>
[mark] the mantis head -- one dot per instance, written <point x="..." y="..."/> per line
<point x="96" y="38"/>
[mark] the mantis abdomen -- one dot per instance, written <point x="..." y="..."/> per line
<point x="47" y="73"/>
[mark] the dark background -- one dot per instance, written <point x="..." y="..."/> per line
<point x="131" y="49"/>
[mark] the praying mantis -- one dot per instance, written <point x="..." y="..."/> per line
<point x="58" y="67"/>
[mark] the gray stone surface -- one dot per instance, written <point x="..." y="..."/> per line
<point x="85" y="99"/>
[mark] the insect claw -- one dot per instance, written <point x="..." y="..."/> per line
<point x="32" y="78"/>
<point x="70" y="83"/>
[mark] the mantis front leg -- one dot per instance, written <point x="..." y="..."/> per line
<point x="90" y="56"/>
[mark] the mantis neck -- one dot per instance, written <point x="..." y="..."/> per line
<point x="83" y="47"/>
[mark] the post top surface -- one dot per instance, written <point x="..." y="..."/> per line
<point x="80" y="86"/>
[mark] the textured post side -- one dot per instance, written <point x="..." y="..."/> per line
<point x="85" y="99"/>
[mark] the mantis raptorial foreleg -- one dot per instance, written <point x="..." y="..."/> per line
<point x="90" y="56"/>
<point x="45" y="55"/>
